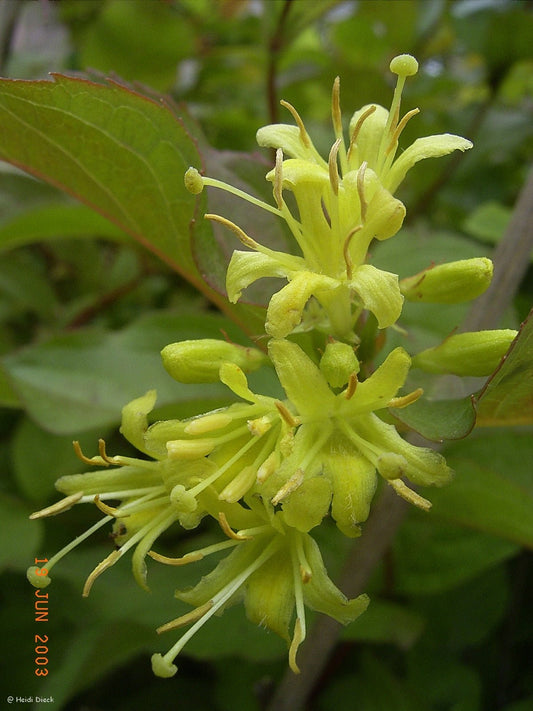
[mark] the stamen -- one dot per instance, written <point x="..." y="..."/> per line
<point x="305" y="569"/>
<point x="242" y="236"/>
<point x="332" y="163"/>
<point x="346" y="252"/>
<point x="103" y="453"/>
<point x="290" y="485"/>
<point x="287" y="416"/>
<point x="357" y="127"/>
<point x="230" y="533"/>
<point x="361" y="189"/>
<point x="163" y="664"/>
<point x="93" y="461"/>
<point x="194" y="556"/>
<point x="336" y="114"/>
<point x="297" y="639"/>
<point x="304" y="136"/>
<point x="110" y="560"/>
<point x="399" y="128"/>
<point x="352" y="386"/>
<point x="278" y="179"/>
<point x="409" y="495"/>
<point x="104" y="508"/>
<point x="405" y="400"/>
<point x="186" y="619"/>
<point x="60" y="506"/>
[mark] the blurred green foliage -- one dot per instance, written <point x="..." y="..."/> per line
<point x="84" y="312"/>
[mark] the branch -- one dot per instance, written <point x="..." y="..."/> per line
<point x="511" y="259"/>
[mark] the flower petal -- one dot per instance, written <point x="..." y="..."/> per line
<point x="426" y="147"/>
<point x="247" y="267"/>
<point x="301" y="379"/>
<point x="322" y="595"/>
<point x="375" y="392"/>
<point x="288" y="138"/>
<point x="379" y="292"/>
<point x="287" y="305"/>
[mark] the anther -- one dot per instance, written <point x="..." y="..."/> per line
<point x="352" y="386"/>
<point x="60" y="506"/>
<point x="186" y="619"/>
<point x="93" y="461"/>
<point x="332" y="163"/>
<point x="278" y="179"/>
<point x="361" y="189"/>
<point x="346" y="250"/>
<point x="304" y="137"/>
<point x="357" y="127"/>
<point x="284" y="412"/>
<point x="230" y="533"/>
<point x="243" y="237"/>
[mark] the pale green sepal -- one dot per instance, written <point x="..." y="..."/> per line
<point x="269" y="600"/>
<point x="450" y="283"/>
<point x="297" y="173"/>
<point x="375" y="392"/>
<point x="199" y="361"/>
<point x="286" y="306"/>
<point x="301" y="379"/>
<point x="467" y="354"/>
<point x="379" y="292"/>
<point x="322" y="595"/>
<point x="426" y="147"/>
<point x="306" y="507"/>
<point x="247" y="267"/>
<point x="138" y="563"/>
<point x="134" y="421"/>
<point x="288" y="138"/>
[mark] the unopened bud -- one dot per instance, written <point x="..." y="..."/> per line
<point x="467" y="354"/>
<point x="199" y="361"/>
<point x="338" y="363"/>
<point x="450" y="283"/>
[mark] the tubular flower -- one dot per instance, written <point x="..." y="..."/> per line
<point x="275" y="570"/>
<point x="316" y="450"/>
<point x="343" y="203"/>
<point x="143" y="488"/>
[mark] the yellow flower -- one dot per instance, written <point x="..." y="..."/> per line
<point x="343" y="203"/>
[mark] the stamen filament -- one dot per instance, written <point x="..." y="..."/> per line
<point x="194" y="555"/>
<point x="220" y="599"/>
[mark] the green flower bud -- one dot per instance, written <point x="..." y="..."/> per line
<point x="199" y="361"/>
<point x="450" y="283"/>
<point x="467" y="354"/>
<point x="338" y="363"/>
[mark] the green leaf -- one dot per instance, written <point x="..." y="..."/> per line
<point x="386" y="621"/>
<point x="121" y="153"/>
<point x="81" y="380"/>
<point x="438" y="420"/>
<point x="19" y="537"/>
<point x="433" y="556"/>
<point x="507" y="398"/>
<point x="55" y="222"/>
<point x="492" y="490"/>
